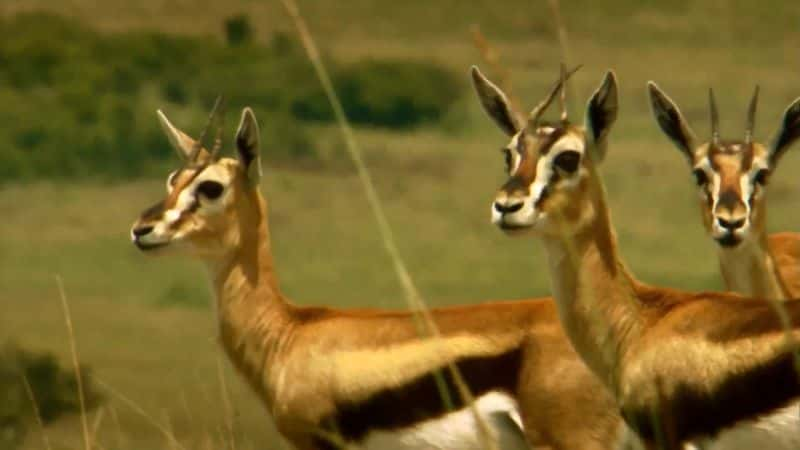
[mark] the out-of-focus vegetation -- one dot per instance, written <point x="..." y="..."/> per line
<point x="78" y="102"/>
<point x="27" y="377"/>
<point x="395" y="94"/>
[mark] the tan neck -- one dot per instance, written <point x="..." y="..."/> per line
<point x="254" y="318"/>
<point x="595" y="293"/>
<point x="750" y="270"/>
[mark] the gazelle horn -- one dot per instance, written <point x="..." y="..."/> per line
<point x="199" y="142"/>
<point x="538" y="110"/>
<point x="712" y="104"/>
<point x="751" y="118"/>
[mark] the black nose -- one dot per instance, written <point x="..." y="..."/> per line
<point x="505" y="209"/>
<point x="730" y="225"/>
<point x="143" y="230"/>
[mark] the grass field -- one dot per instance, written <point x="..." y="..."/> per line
<point x="145" y="325"/>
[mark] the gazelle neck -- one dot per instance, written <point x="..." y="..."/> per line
<point x="594" y="292"/>
<point x="750" y="268"/>
<point x="254" y="318"/>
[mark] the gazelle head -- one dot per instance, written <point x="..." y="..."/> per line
<point x="731" y="174"/>
<point x="210" y="200"/>
<point x="549" y="165"/>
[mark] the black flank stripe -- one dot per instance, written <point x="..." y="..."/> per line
<point x="419" y="400"/>
<point x="748" y="395"/>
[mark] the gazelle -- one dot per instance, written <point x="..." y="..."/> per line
<point x="732" y="176"/>
<point x="681" y="365"/>
<point x="366" y="374"/>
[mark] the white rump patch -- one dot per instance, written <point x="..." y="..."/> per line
<point x="777" y="431"/>
<point x="458" y="429"/>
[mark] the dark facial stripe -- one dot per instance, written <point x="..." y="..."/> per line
<point x="547" y="188"/>
<point x="515" y="184"/>
<point x="525" y="174"/>
<point x="186" y="214"/>
<point x="729" y="199"/>
<point x="153" y="213"/>
<point x="419" y="400"/>
<point x="550" y="139"/>
<point x="747" y="157"/>
<point x="172" y="198"/>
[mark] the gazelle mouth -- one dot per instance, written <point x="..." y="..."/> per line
<point x="728" y="240"/>
<point x="144" y="246"/>
<point x="511" y="227"/>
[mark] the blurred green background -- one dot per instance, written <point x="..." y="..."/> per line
<point x="81" y="154"/>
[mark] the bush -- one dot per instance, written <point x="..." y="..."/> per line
<point x="396" y="94"/>
<point x="238" y="30"/>
<point x="79" y="103"/>
<point x="82" y="103"/>
<point x="55" y="390"/>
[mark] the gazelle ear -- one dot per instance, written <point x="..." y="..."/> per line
<point x="671" y="121"/>
<point x="247" y="146"/>
<point x="180" y="141"/>
<point x="495" y="103"/>
<point x="601" y="113"/>
<point x="788" y="132"/>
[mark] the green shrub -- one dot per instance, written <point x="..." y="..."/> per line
<point x="395" y="94"/>
<point x="80" y="103"/>
<point x="238" y="30"/>
<point x="54" y="388"/>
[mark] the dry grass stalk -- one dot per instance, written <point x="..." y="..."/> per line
<point x="425" y="323"/>
<point x="141" y="412"/>
<point x="227" y="407"/>
<point x="98" y="419"/>
<point x="87" y="442"/>
<point x="36" y="414"/>
<point x="117" y="426"/>
<point x="503" y="76"/>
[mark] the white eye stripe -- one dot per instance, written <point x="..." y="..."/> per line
<point x="170" y="180"/>
<point x="516" y="159"/>
<point x="544" y="173"/>
<point x="568" y="142"/>
<point x="747" y="186"/>
<point x="545" y="169"/>
<point x="172" y="215"/>
<point x="715" y="182"/>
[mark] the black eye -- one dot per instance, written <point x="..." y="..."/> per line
<point x="210" y="189"/>
<point x="761" y="177"/>
<point x="700" y="177"/>
<point x="567" y="161"/>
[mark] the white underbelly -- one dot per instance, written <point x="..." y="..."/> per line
<point x="458" y="429"/>
<point x="777" y="431"/>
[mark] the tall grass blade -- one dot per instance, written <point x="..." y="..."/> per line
<point x="36" y="414"/>
<point x="141" y="412"/>
<point x="492" y="58"/>
<point x="87" y="442"/>
<point x="227" y="408"/>
<point x="416" y="304"/>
